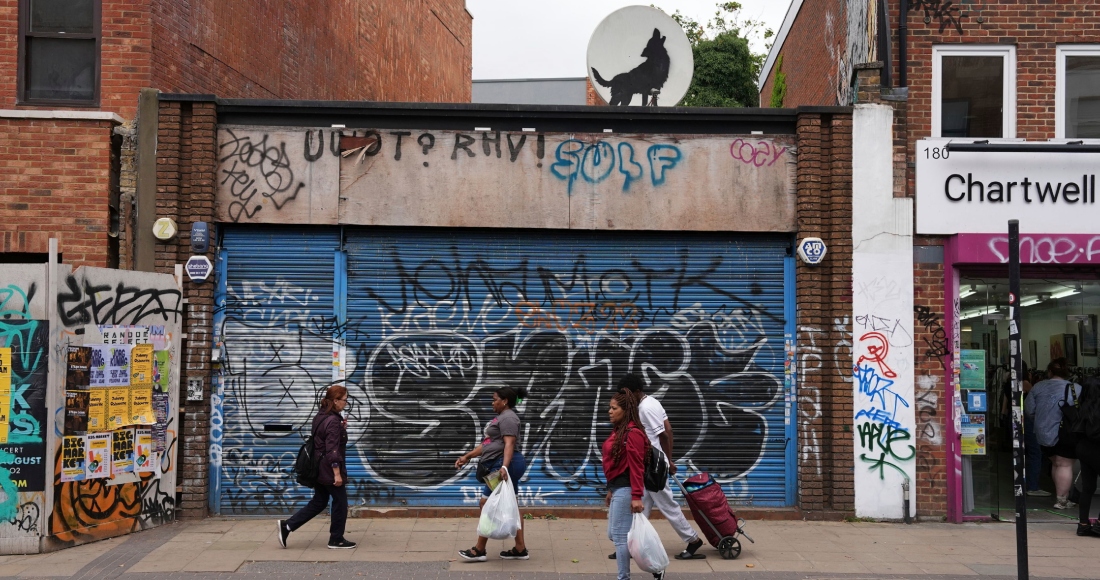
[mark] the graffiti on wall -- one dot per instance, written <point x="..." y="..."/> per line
<point x="514" y="179"/>
<point x="945" y="12"/>
<point x="1076" y="249"/>
<point x="22" y="454"/>
<point x="93" y="509"/>
<point x="884" y="402"/>
<point x="427" y="344"/>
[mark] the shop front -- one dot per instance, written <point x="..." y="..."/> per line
<point x="424" y="277"/>
<point x="425" y="258"/>
<point x="966" y="193"/>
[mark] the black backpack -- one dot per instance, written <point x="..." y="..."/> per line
<point x="656" y="468"/>
<point x="1084" y="420"/>
<point x="307" y="465"/>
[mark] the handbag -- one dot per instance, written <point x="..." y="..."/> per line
<point x="484" y="468"/>
<point x="1066" y="436"/>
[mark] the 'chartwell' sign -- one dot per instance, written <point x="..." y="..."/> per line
<point x="978" y="192"/>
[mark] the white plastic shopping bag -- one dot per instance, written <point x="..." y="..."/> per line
<point x="645" y="546"/>
<point x="500" y="516"/>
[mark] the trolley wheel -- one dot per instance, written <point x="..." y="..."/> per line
<point x="729" y="547"/>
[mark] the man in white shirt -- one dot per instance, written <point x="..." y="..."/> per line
<point x="659" y="431"/>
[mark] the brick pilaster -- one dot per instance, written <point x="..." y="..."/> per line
<point x="824" y="303"/>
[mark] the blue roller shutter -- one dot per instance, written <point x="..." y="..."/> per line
<point x="438" y="319"/>
<point x="276" y="326"/>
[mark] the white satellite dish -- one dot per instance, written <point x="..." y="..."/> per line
<point x="639" y="55"/>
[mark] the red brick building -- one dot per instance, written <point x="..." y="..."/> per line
<point x="79" y="115"/>
<point x="976" y="75"/>
<point x="68" y="107"/>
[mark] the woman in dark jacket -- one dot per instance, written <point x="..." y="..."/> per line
<point x="624" y="454"/>
<point x="330" y="442"/>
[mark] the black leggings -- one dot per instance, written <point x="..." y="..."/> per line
<point x="1088" y="452"/>
<point x="339" y="511"/>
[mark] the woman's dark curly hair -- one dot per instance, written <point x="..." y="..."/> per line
<point x="627" y="403"/>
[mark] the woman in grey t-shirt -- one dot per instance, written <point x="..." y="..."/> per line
<point x="499" y="450"/>
<point x="1043" y="406"/>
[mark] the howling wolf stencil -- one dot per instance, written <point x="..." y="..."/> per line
<point x="644" y="79"/>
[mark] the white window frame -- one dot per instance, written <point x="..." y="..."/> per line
<point x="1060" y="85"/>
<point x="1008" y="131"/>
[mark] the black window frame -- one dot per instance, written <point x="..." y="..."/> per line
<point x="24" y="8"/>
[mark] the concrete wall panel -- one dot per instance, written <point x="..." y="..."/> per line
<point x="882" y="339"/>
<point x="277" y="176"/>
<point x="508" y="180"/>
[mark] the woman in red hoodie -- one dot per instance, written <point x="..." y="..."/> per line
<point x="624" y="454"/>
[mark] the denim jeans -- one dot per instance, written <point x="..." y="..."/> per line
<point x="339" y="511"/>
<point x="619" y="519"/>
<point x="515" y="472"/>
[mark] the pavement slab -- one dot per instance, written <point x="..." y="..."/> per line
<point x="561" y="549"/>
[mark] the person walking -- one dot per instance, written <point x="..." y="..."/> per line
<point x="330" y="442"/>
<point x="1088" y="451"/>
<point x="499" y="452"/>
<point x="659" y="431"/>
<point x="624" y="455"/>
<point x="1043" y="405"/>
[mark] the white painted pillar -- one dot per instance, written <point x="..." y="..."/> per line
<point x="884" y="422"/>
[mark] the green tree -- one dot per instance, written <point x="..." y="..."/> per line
<point x="726" y="69"/>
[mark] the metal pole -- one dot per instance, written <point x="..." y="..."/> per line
<point x="1017" y="396"/>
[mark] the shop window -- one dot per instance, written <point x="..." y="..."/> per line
<point x="1078" y="92"/>
<point x="1058" y="318"/>
<point x="974" y="91"/>
<point x="59" y="52"/>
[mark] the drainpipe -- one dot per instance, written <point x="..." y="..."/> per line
<point x="903" y="34"/>
<point x="905" y="492"/>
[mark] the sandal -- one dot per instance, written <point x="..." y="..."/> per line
<point x="514" y="554"/>
<point x="689" y="552"/>
<point x="473" y="555"/>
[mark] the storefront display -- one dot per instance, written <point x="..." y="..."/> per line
<point x="968" y="196"/>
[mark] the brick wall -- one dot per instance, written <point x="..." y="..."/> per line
<point x="591" y="97"/>
<point x="337" y="50"/>
<point x="54" y="182"/>
<point x="331" y="50"/>
<point x="185" y="192"/>
<point x="1035" y="29"/>
<point x="334" y="50"/>
<point x="126" y="32"/>
<point x="930" y="352"/>
<point x="812" y="58"/>
<point x="824" y="318"/>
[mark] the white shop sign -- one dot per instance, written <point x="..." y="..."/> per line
<point x="978" y="192"/>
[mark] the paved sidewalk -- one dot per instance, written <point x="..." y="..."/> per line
<point x="569" y="548"/>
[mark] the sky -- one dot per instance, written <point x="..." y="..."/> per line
<point x="524" y="39"/>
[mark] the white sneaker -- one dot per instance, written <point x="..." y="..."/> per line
<point x="1062" y="503"/>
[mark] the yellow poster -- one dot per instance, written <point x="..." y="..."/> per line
<point x="72" y="458"/>
<point x="118" y="407"/>
<point x="122" y="451"/>
<point x="141" y="406"/>
<point x="97" y="410"/>
<point x="141" y="365"/>
<point x="5" y="392"/>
